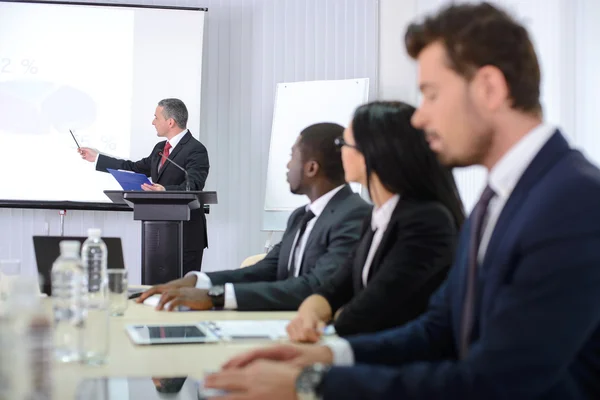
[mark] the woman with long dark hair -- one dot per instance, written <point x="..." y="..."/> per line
<point x="408" y="242"/>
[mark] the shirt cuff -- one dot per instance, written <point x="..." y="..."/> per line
<point x="343" y="356"/>
<point x="230" y="300"/>
<point x="202" y="280"/>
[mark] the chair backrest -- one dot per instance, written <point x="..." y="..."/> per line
<point x="252" y="260"/>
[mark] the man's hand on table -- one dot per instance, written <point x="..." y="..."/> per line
<point x="185" y="282"/>
<point x="268" y="373"/>
<point x="194" y="299"/>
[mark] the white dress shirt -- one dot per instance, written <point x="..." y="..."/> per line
<point x="317" y="207"/>
<point x="502" y="178"/>
<point x="379" y="221"/>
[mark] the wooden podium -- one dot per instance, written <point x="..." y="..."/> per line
<point x="162" y="215"/>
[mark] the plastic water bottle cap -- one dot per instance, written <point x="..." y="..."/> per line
<point x="95" y="232"/>
<point x="70" y="247"/>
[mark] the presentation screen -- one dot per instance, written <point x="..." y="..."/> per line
<point x="98" y="71"/>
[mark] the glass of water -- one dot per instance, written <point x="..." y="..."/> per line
<point x="9" y="272"/>
<point x="117" y="291"/>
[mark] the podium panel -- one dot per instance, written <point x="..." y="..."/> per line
<point x="162" y="256"/>
<point x="162" y="215"/>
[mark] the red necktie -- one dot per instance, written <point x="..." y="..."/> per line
<point x="166" y="152"/>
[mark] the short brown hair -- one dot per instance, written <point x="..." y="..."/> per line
<point x="476" y="35"/>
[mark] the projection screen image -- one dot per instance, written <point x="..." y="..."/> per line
<point x="97" y="71"/>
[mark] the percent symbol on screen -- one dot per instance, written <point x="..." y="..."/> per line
<point x="109" y="142"/>
<point x="29" y="66"/>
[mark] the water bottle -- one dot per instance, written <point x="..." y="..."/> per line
<point x="95" y="330"/>
<point x="31" y="344"/>
<point x="94" y="258"/>
<point x="69" y="287"/>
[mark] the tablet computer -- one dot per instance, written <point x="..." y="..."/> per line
<point x="149" y="388"/>
<point x="170" y="334"/>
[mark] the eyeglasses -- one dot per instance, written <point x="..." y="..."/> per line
<point x="340" y="142"/>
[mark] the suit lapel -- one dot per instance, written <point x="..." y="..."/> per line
<point x="550" y="152"/>
<point x="323" y="221"/>
<point x="381" y="249"/>
<point x="459" y="274"/>
<point x="555" y="148"/>
<point x="154" y="163"/>
<point x="360" y="256"/>
<point x="173" y="154"/>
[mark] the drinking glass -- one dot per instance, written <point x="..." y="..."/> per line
<point x="117" y="291"/>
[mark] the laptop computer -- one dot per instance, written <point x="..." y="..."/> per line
<point x="47" y="250"/>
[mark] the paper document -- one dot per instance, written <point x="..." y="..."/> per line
<point x="129" y="180"/>
<point x="249" y="329"/>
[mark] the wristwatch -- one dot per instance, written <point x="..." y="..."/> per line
<point x="309" y="384"/>
<point x="217" y="296"/>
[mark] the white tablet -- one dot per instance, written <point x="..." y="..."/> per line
<point x="170" y="334"/>
<point x="149" y="388"/>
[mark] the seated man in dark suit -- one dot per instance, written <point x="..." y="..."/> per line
<point x="317" y="239"/>
<point x="170" y="121"/>
<point x="519" y="315"/>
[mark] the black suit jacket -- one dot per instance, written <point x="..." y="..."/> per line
<point x="410" y="263"/>
<point x="265" y="285"/>
<point x="191" y="155"/>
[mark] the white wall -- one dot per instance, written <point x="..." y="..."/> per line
<point x="565" y="34"/>
<point x="586" y="79"/>
<point x="397" y="71"/>
<point x="251" y="45"/>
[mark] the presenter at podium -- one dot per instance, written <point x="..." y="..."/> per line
<point x="170" y="120"/>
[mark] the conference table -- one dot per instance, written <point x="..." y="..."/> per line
<point x="129" y="360"/>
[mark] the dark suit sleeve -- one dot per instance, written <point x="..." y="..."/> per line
<point x="264" y="270"/>
<point x="141" y="167"/>
<point x="338" y="290"/>
<point x="197" y="166"/>
<point x="422" y="244"/>
<point x="289" y="294"/>
<point x="539" y="323"/>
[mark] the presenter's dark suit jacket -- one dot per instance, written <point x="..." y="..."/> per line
<point x="266" y="286"/>
<point x="409" y="265"/>
<point x="191" y="155"/>
<point x="538" y="330"/>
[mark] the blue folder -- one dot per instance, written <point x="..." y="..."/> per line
<point x="129" y="180"/>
